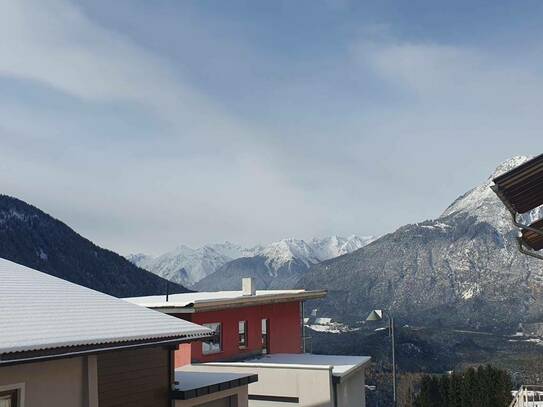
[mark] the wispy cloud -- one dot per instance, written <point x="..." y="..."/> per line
<point x="119" y="140"/>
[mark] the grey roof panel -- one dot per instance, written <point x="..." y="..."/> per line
<point x="39" y="311"/>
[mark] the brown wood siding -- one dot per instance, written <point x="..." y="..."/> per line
<point x="133" y="378"/>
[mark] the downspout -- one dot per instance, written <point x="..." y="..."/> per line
<point x="526" y="251"/>
<point x="519" y="225"/>
<point x="335" y="381"/>
<point x="171" y="371"/>
<point x="303" y="325"/>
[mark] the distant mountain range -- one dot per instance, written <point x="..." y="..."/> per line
<point x="222" y="265"/>
<point x="462" y="269"/>
<point x="31" y="237"/>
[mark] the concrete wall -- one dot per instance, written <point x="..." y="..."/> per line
<point x="312" y="386"/>
<point x="350" y="391"/>
<point x="56" y="383"/>
<point x="228" y="398"/>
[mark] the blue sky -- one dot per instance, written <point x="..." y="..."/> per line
<point x="145" y="124"/>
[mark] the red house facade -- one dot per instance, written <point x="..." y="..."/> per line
<point x="247" y="324"/>
<point x="246" y="331"/>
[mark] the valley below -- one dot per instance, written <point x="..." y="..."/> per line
<point x="431" y="350"/>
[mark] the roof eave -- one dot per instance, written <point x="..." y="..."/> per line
<point x="238" y="302"/>
<point x="28" y="356"/>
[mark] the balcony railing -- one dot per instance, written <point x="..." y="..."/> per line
<point x="528" y="396"/>
<point x="307" y="345"/>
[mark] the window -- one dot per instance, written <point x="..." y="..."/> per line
<point x="243" y="335"/>
<point x="214" y="344"/>
<point x="9" y="398"/>
<point x="265" y="335"/>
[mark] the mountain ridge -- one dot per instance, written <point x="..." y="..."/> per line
<point x="190" y="266"/>
<point x="35" y="239"/>
<point x="462" y="269"/>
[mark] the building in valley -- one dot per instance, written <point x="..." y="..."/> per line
<point x="261" y="332"/>
<point x="65" y="345"/>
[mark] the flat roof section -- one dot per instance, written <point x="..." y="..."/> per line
<point x="340" y="365"/>
<point x="217" y="300"/>
<point x="190" y="385"/>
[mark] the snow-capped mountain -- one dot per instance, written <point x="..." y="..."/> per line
<point x="318" y="249"/>
<point x="462" y="269"/>
<point x="483" y="203"/>
<point x="280" y="264"/>
<point x="189" y="266"/>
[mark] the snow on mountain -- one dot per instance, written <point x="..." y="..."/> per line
<point x="188" y="266"/>
<point x="461" y="269"/>
<point x="483" y="203"/>
<point x="315" y="251"/>
<point x="334" y="246"/>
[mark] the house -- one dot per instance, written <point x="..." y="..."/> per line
<point x="262" y="332"/>
<point x="66" y="345"/>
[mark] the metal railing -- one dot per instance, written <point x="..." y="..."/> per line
<point x="307" y="345"/>
<point x="528" y="396"/>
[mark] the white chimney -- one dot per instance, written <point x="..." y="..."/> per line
<point x="247" y="286"/>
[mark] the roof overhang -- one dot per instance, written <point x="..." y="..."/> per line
<point x="190" y="385"/>
<point x="42" y="355"/>
<point x="521" y="191"/>
<point x="238" y="302"/>
<point x="521" y="188"/>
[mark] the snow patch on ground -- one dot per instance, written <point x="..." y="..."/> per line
<point x="471" y="292"/>
<point x="329" y="326"/>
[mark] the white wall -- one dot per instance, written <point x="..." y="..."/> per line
<point x="350" y="391"/>
<point x="313" y="386"/>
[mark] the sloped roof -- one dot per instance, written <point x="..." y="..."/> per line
<point x="521" y="188"/>
<point x="41" y="312"/>
<point x="204" y="301"/>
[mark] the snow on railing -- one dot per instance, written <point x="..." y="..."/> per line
<point x="528" y="396"/>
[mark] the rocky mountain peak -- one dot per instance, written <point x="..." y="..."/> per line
<point x="483" y="203"/>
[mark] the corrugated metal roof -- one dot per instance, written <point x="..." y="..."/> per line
<point x="39" y="311"/>
<point x="198" y="299"/>
<point x="522" y="187"/>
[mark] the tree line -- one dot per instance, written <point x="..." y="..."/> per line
<point x="485" y="386"/>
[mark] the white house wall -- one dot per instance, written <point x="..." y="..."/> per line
<point x="312" y="386"/>
<point x="350" y="391"/>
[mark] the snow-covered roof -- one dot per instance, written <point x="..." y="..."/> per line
<point x="39" y="312"/>
<point x="339" y="364"/>
<point x="211" y="300"/>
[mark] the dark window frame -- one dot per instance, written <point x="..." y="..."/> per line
<point x="265" y="325"/>
<point x="243" y="337"/>
<point x="215" y="340"/>
<point x="13" y="396"/>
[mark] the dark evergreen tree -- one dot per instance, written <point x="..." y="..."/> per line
<point x="482" y="387"/>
